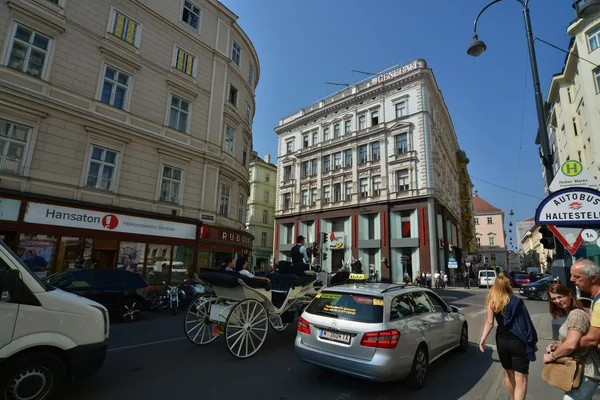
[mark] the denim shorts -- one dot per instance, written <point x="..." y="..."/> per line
<point x="586" y="390"/>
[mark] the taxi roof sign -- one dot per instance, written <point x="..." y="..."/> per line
<point x="357" y="277"/>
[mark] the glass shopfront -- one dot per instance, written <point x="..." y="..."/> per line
<point x="37" y="252"/>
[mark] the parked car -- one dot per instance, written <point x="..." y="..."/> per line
<point x="122" y="292"/>
<point x="537" y="290"/>
<point x="379" y="332"/>
<point x="47" y="337"/>
<point x="519" y="280"/>
<point x="486" y="278"/>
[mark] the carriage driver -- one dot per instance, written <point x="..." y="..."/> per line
<point x="299" y="256"/>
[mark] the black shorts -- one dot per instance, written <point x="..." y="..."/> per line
<point x="513" y="354"/>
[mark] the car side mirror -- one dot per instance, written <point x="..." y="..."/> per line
<point x="454" y="309"/>
<point x="11" y="286"/>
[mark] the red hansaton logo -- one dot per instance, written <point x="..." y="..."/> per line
<point x="575" y="205"/>
<point x="332" y="236"/>
<point x="110" y="221"/>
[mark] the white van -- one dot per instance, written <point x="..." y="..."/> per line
<point x="47" y="336"/>
<point x="486" y="278"/>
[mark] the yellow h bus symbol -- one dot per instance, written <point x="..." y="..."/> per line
<point x="572" y="168"/>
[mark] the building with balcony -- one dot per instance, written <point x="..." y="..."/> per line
<point x="374" y="166"/>
<point x="573" y="102"/>
<point x="261" y="209"/>
<point x="467" y="223"/>
<point x="490" y="235"/>
<point x="125" y="132"/>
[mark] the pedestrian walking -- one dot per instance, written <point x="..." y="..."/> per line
<point x="564" y="303"/>
<point x="516" y="337"/>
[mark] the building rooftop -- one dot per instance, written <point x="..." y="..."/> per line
<point x="480" y="205"/>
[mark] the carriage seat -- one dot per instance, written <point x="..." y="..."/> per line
<point x="229" y="279"/>
<point x="281" y="284"/>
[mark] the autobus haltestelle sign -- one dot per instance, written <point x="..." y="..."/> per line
<point x="570" y="207"/>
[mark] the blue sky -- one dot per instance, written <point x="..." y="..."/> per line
<point x="302" y="45"/>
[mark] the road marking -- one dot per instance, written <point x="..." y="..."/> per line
<point x="476" y="313"/>
<point x="147" y="344"/>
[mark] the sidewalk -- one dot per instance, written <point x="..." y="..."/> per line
<point x="537" y="389"/>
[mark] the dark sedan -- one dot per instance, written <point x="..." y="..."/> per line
<point x="122" y="292"/>
<point x="537" y="290"/>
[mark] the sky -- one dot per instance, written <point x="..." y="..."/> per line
<point x="303" y="44"/>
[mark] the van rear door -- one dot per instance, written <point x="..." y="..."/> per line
<point x="8" y="310"/>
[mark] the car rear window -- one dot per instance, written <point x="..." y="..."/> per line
<point x="521" y="277"/>
<point x="488" y="274"/>
<point x="353" y="307"/>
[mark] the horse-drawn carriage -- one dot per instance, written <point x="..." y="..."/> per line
<point x="242" y="309"/>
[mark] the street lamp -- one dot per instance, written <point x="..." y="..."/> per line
<point x="586" y="8"/>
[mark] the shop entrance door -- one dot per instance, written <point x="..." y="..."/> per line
<point x="105" y="252"/>
<point x="337" y="257"/>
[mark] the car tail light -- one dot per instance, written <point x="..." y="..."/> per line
<point x="303" y="326"/>
<point x="382" y="339"/>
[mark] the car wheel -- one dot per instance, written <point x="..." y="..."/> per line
<point x="464" y="339"/>
<point x="543" y="295"/>
<point x="418" y="373"/>
<point x="130" y="309"/>
<point x="32" y="376"/>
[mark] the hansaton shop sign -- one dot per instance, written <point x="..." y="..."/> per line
<point x="570" y="207"/>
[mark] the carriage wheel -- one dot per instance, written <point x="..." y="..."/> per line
<point x="246" y="328"/>
<point x="197" y="325"/>
<point x="276" y="323"/>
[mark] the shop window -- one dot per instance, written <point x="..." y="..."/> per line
<point x="183" y="264"/>
<point x="204" y="259"/>
<point x="39" y="250"/>
<point x="74" y="253"/>
<point x="131" y="256"/>
<point x="157" y="268"/>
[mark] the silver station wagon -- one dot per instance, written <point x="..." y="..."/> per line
<point x="379" y="332"/>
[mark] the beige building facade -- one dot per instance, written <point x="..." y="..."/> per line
<point x="489" y="234"/>
<point x="138" y="109"/>
<point x="261" y="209"/>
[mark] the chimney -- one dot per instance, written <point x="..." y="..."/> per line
<point x="268" y="158"/>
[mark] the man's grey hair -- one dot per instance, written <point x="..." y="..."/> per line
<point x="588" y="267"/>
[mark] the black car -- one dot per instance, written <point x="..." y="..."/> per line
<point x="537" y="290"/>
<point x="122" y="292"/>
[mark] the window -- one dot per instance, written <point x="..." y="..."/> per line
<point x="263" y="239"/>
<point x="313" y="196"/>
<point x="336" y="131"/>
<point x="364" y="188"/>
<point x="402" y="182"/>
<point x="337" y="192"/>
<point x="314" y="166"/>
<point x="245" y="156"/>
<point x="362" y="154"/>
<point x="347" y="127"/>
<point x="492" y="240"/>
<point x="337" y="160"/>
<point x="438" y="305"/>
<point x="224" y="204"/>
<point x="326" y="163"/>
<point x="248" y="112"/>
<point x="241" y="207"/>
<point x="478" y="239"/>
<point x="250" y="74"/>
<point x="400" y="307"/>
<point x="267" y="196"/>
<point x="170" y="186"/>
<point x="326" y="194"/>
<point x="492" y="257"/>
<point x="325" y="134"/>
<point x="28" y="51"/>
<point x="420" y="303"/>
<point x="597" y="79"/>
<point x="490" y="220"/>
<point x="115" y="87"/>
<point x="305" y="141"/>
<point x="305" y="197"/>
<point x="236" y="53"/>
<point x="267" y="177"/>
<point x="348" y="158"/>
<point x="594" y="39"/>
<point x="348" y="190"/>
<point x="476" y="221"/>
<point x="233" y="95"/>
<point x="185" y="62"/>
<point x="102" y="168"/>
<point x="125" y="28"/>
<point x="401" y="143"/>
<point x="289" y="145"/>
<point x="315" y="138"/>
<point x="287" y="201"/>
<point x="229" y="140"/>
<point x="376" y="181"/>
<point x="375" y="154"/>
<point x="178" y="114"/>
<point x="400" y="109"/>
<point x="362" y="122"/>
<point x="374" y="117"/>
<point x="191" y="14"/>
<point x="265" y="216"/>
<point x="287" y="173"/>
<point x="304" y="169"/>
<point x="13" y="146"/>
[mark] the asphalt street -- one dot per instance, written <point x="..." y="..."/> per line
<point x="152" y="359"/>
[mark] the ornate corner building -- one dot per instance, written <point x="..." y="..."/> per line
<point x="374" y="166"/>
<point x="125" y="132"/>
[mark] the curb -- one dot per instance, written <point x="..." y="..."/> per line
<point x="497" y="390"/>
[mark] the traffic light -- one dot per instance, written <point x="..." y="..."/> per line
<point x="547" y="239"/>
<point x="324" y="236"/>
<point x="324" y="256"/>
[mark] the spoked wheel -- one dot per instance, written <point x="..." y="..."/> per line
<point x="198" y="327"/>
<point x="276" y="323"/>
<point x="246" y="328"/>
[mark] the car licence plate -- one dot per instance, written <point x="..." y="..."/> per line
<point x="334" y="336"/>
